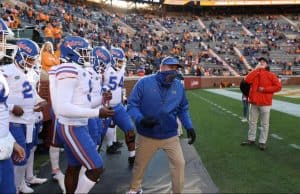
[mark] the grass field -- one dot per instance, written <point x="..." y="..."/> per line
<point x="237" y="169"/>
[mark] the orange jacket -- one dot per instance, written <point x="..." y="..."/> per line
<point x="48" y="60"/>
<point x="48" y="31"/>
<point x="57" y="32"/>
<point x="262" y="78"/>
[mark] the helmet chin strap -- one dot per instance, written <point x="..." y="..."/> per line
<point x="23" y="67"/>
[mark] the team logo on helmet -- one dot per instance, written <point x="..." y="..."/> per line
<point x="76" y="49"/>
<point x="101" y="59"/>
<point x="27" y="53"/>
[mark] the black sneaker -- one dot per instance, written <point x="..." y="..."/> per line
<point x="112" y="149"/>
<point x="262" y="146"/>
<point x="248" y="142"/>
<point x="118" y="144"/>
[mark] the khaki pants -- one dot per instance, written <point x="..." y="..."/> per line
<point x="264" y="113"/>
<point x="146" y="148"/>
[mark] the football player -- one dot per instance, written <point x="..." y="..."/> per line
<point x="7" y="142"/>
<point x="113" y="82"/>
<point x="21" y="103"/>
<point x="73" y="100"/>
<point x="33" y="77"/>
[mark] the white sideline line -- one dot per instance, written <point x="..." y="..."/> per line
<point x="295" y="146"/>
<point x="275" y="136"/>
<point x="278" y="105"/>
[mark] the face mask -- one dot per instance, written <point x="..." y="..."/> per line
<point x="166" y="78"/>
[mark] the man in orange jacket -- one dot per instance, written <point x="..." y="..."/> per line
<point x="263" y="84"/>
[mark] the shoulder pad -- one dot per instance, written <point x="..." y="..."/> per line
<point x="66" y="70"/>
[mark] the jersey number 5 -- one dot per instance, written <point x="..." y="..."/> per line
<point x="27" y="92"/>
<point x="113" y="82"/>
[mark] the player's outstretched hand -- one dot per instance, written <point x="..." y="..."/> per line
<point x="106" y="112"/>
<point x="17" y="111"/>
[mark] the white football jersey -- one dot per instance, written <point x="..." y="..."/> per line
<point x="114" y="81"/>
<point x="22" y="93"/>
<point x="78" y="106"/>
<point x="34" y="78"/>
<point x="96" y="87"/>
<point x="4" y="114"/>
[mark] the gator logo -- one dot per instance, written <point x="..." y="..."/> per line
<point x="117" y="54"/>
<point x="101" y="55"/>
<point x="23" y="46"/>
<point x="73" y="43"/>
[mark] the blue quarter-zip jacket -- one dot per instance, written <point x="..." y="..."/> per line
<point x="149" y="99"/>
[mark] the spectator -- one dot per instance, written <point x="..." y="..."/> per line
<point x="49" y="33"/>
<point x="157" y="128"/>
<point x="263" y="85"/>
<point x="48" y="57"/>
<point x="57" y="34"/>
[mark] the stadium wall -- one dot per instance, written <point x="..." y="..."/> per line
<point x="190" y="83"/>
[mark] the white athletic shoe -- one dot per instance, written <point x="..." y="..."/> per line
<point x="244" y="120"/>
<point x="36" y="181"/>
<point x="60" y="178"/>
<point x="24" y="188"/>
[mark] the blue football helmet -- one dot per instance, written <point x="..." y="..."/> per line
<point x="118" y="56"/>
<point x="76" y="49"/>
<point x="101" y="59"/>
<point x="27" y="54"/>
<point x="6" y="50"/>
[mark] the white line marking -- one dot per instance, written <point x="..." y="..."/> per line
<point x="295" y="146"/>
<point x="235" y="115"/>
<point x="278" y="105"/>
<point x="276" y="136"/>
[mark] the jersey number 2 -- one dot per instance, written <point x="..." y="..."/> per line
<point x="27" y="92"/>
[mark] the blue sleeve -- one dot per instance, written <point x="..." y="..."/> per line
<point x="134" y="102"/>
<point x="183" y="114"/>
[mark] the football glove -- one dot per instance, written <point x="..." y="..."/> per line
<point x="191" y="136"/>
<point x="148" y="122"/>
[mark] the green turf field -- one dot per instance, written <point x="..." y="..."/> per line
<point x="237" y="169"/>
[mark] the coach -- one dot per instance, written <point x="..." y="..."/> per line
<point x="154" y="104"/>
